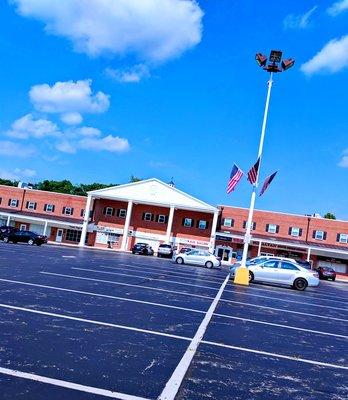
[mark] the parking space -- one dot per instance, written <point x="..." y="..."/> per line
<point x="89" y="324"/>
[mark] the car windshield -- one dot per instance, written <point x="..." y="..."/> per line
<point x="166" y="246"/>
<point x="328" y="269"/>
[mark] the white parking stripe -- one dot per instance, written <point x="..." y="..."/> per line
<point x="144" y="277"/>
<point x="103" y="296"/>
<point x="266" y="353"/>
<point x="280" y="325"/>
<point x="283" y="310"/>
<point x="91" y="321"/>
<point x="175" y="381"/>
<point x="289" y="301"/>
<point x="128" y="284"/>
<point x="69" y="385"/>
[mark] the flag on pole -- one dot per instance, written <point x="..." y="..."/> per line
<point x="235" y="177"/>
<point x="252" y="174"/>
<point x="267" y="182"/>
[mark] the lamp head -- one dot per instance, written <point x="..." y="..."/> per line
<point x="275" y="56"/>
<point x="261" y="59"/>
<point x="286" y="64"/>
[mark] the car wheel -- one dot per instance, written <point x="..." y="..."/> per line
<point x="6" y="239"/>
<point x="333" y="279"/>
<point x="179" y="260"/>
<point x="300" y="284"/>
<point x="209" y="264"/>
<point x="30" y="242"/>
<point x="38" y="244"/>
<point x="159" y="255"/>
<point x="251" y="276"/>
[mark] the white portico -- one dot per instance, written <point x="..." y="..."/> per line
<point x="160" y="198"/>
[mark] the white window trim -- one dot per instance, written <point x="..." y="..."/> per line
<point x="269" y="230"/>
<point x="161" y="219"/>
<point x="31" y="205"/>
<point x="148" y="217"/>
<point x="199" y="224"/>
<point x="13" y="203"/>
<point x="24" y="226"/>
<point x="109" y="213"/>
<point x="188" y="225"/>
<point x="343" y="235"/>
<point x="122" y="213"/>
<point x="295" y="229"/>
<point x="49" y="206"/>
<point x="66" y="209"/>
<point x="229" y="225"/>
<point x="321" y="236"/>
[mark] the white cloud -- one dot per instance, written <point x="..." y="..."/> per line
<point x="27" y="126"/>
<point x="71" y="99"/>
<point x="88" y="131"/>
<point x="301" y="21"/>
<point x="107" y="143"/>
<point x="155" y="30"/>
<point x="8" y="148"/>
<point x="71" y="118"/>
<point x="129" y="75"/>
<point x="338" y="7"/>
<point x="66" y="147"/>
<point x="344" y="160"/>
<point x="17" y="174"/>
<point x="332" y="58"/>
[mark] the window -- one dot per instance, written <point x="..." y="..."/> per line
<point x="270" y="264"/>
<point x="108" y="211"/>
<point x="202" y="224"/>
<point x="342" y="238"/>
<point x="294" y="231"/>
<point x="229" y="222"/>
<point x="82" y="213"/>
<point x="272" y="228"/>
<point x="288" y="266"/>
<point x="122" y="213"/>
<point x="31" y="205"/>
<point x="147" y="216"/>
<point x="253" y="227"/>
<point x="161" y="219"/>
<point x="319" y="235"/>
<point x="0" y="200"/>
<point x="73" y="235"/>
<point x="49" y="208"/>
<point x="23" y="227"/>
<point x="13" y="202"/>
<point x="188" y="222"/>
<point x="68" y="210"/>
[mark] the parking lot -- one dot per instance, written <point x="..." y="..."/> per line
<point x="89" y="324"/>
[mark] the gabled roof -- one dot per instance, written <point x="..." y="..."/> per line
<point x="154" y="191"/>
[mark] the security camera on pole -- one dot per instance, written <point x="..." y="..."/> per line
<point x="275" y="58"/>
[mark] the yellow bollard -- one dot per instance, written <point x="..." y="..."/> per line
<point x="241" y="276"/>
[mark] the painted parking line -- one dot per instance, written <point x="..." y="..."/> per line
<point x="283" y="310"/>
<point x="91" y="321"/>
<point x="69" y="385"/>
<point x="144" y="277"/>
<point x="276" y="355"/>
<point x="128" y="285"/>
<point x="287" y="300"/>
<point x="102" y="295"/>
<point x="175" y="381"/>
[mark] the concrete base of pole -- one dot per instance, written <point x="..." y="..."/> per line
<point x="241" y="276"/>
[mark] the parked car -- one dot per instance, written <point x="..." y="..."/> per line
<point x="143" y="249"/>
<point x="6" y="230"/>
<point x="198" y="257"/>
<point x="326" y="273"/>
<point x="165" y="250"/>
<point x="281" y="272"/>
<point x="25" y="237"/>
<point x="261" y="259"/>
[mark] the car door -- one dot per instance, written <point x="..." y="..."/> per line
<point x="192" y="257"/>
<point x="287" y="272"/>
<point x="266" y="271"/>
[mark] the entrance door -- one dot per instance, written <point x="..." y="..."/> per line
<point x="59" y="235"/>
<point x="224" y="254"/>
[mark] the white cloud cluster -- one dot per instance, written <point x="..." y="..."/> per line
<point x="338" y="7"/>
<point x="332" y="58"/>
<point x="107" y="143"/>
<point x="27" y="126"/>
<point x="129" y="75"/>
<point x="70" y="99"/>
<point x="344" y="160"/>
<point x="17" y="174"/>
<point x="155" y="30"/>
<point x="8" y="148"/>
<point x="301" y="21"/>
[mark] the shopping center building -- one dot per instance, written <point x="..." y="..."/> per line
<point x="154" y="212"/>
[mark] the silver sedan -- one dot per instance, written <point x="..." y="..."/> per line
<point x="197" y="257"/>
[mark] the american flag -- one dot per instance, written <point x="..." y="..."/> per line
<point x="252" y="174"/>
<point x="235" y="177"/>
<point x="267" y="182"/>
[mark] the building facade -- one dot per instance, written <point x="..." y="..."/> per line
<point x="153" y="212"/>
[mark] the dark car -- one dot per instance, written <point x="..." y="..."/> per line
<point x="304" y="264"/>
<point x="143" y="249"/>
<point x="6" y="230"/>
<point x="25" y="237"/>
<point x="326" y="273"/>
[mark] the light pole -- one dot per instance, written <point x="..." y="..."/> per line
<point x="275" y="58"/>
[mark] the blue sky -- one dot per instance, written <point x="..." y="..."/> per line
<point x="170" y="88"/>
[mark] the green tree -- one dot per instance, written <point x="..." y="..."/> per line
<point x="329" y="216"/>
<point x="135" y="179"/>
<point x="8" y="182"/>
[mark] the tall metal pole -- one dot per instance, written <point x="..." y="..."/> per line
<point x="247" y="237"/>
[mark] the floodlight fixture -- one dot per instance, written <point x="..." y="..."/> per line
<point x="261" y="59"/>
<point x="288" y="63"/>
<point x="275" y="56"/>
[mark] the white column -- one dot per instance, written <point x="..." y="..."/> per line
<point x="308" y="254"/>
<point x="8" y="220"/>
<point x="259" y="250"/>
<point x="170" y="224"/>
<point x="126" y="226"/>
<point x="45" y="228"/>
<point x="85" y="222"/>
<point x="213" y="232"/>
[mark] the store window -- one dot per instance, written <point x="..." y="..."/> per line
<point x="31" y="205"/>
<point x="188" y="222"/>
<point x="49" y="208"/>
<point x="202" y="224"/>
<point x="343" y="238"/>
<point x="13" y="202"/>
<point x="228" y="222"/>
<point x="73" y="235"/>
<point x="68" y="210"/>
<point x="272" y="228"/>
<point x="122" y="213"/>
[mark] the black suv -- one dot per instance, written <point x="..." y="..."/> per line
<point x="6" y="230"/>
<point x="25" y="237"/>
<point x="142" y="248"/>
